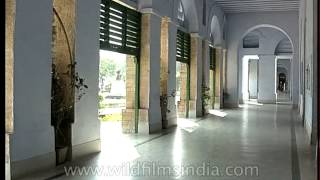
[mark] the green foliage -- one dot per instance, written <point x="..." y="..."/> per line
<point x="107" y="68"/>
<point x="61" y="110"/>
<point x="111" y="117"/>
<point x="101" y="102"/>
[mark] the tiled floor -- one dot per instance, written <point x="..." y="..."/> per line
<point x="252" y="142"/>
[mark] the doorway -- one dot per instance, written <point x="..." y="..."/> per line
<point x="212" y="76"/>
<point x="253" y="67"/>
<point x="250" y="78"/>
<point x="182" y="89"/>
<point x="212" y="87"/>
<point x="112" y="90"/>
<point x="117" y="105"/>
<point x="283" y="80"/>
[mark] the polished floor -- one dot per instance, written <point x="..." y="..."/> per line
<point x="255" y="141"/>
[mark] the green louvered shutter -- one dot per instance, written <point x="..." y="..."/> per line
<point x="183" y="47"/>
<point x="212" y="52"/>
<point x="120" y="28"/>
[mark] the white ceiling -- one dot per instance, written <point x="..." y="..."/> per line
<point x="237" y="6"/>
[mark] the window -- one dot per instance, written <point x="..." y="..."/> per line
<point x="183" y="47"/>
<point x="284" y="47"/>
<point x="119" y="28"/>
<point x="251" y="41"/>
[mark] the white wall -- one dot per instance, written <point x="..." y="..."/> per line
<point x="33" y="134"/>
<point x="172" y="115"/>
<point x="308" y="99"/>
<point x="238" y="26"/>
<point x="154" y="101"/>
<point x="87" y="126"/>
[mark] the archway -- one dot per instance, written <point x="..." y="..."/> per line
<point x="258" y="50"/>
<point x="216" y="70"/>
<point x="191" y="15"/>
<point x="215" y="32"/>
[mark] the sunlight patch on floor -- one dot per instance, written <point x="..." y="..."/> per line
<point x="217" y="113"/>
<point x="187" y="125"/>
<point x="254" y="103"/>
<point x="116" y="148"/>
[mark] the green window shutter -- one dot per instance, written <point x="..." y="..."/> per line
<point x="212" y="58"/>
<point x="120" y="28"/>
<point x="183" y="47"/>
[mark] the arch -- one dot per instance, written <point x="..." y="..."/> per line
<point x="239" y="58"/>
<point x="251" y="40"/>
<point x="283" y="47"/>
<point x="216" y="15"/>
<point x="270" y="26"/>
<point x="191" y="15"/>
<point x="215" y="31"/>
<point x="181" y="16"/>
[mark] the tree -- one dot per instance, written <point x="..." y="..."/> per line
<point x="107" y="68"/>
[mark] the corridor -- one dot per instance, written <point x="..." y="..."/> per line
<point x="266" y="138"/>
<point x="162" y="89"/>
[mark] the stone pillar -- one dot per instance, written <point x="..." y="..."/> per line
<point x="267" y="79"/>
<point x="224" y="75"/>
<point x="149" y="114"/>
<point x="128" y="114"/>
<point x="205" y="62"/>
<point x="206" y="72"/>
<point x="195" y="103"/>
<point x="218" y="79"/>
<point x="212" y="88"/>
<point x="9" y="55"/>
<point x="168" y="72"/>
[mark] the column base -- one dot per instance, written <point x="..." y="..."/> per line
<point x="7" y="157"/>
<point x="128" y="121"/>
<point x="192" y="109"/>
<point x="217" y="102"/>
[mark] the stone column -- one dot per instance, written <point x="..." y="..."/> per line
<point x="195" y="103"/>
<point x="212" y="88"/>
<point x="206" y="71"/>
<point x="128" y="114"/>
<point x="168" y="72"/>
<point x="9" y="55"/>
<point x="218" y="79"/>
<point x="224" y="75"/>
<point x="267" y="79"/>
<point x="149" y="114"/>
